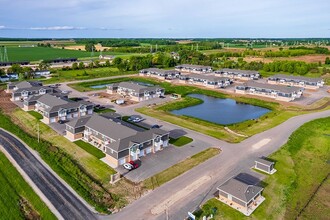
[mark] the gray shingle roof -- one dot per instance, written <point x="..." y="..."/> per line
<point x="109" y="128"/>
<point x="279" y="88"/>
<point x="265" y="162"/>
<point x="137" y="88"/>
<point x="297" y="78"/>
<point x="79" y="122"/>
<point x="240" y="190"/>
<point x="207" y="77"/>
<point x="238" y="71"/>
<point x="193" y="66"/>
<point x="51" y="101"/>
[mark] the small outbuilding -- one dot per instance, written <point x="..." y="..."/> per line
<point x="264" y="165"/>
<point x="240" y="195"/>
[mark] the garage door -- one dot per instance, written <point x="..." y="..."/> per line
<point x="148" y="150"/>
<point x="52" y="120"/>
<point x="141" y="153"/>
<point x="122" y="161"/>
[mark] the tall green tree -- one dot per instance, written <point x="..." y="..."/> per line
<point x="90" y="47"/>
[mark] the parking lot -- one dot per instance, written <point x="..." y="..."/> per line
<point x="161" y="160"/>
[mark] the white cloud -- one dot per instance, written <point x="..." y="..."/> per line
<point x="56" y="28"/>
<point x="2" y="27"/>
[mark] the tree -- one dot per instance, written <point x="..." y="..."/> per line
<point x="81" y="65"/>
<point x="90" y="47"/>
<point x="15" y="68"/>
<point x="117" y="61"/>
<point x="107" y="63"/>
<point x="97" y="63"/>
<point x="327" y="60"/>
<point x="74" y="66"/>
<point x="44" y="65"/>
<point x="2" y="72"/>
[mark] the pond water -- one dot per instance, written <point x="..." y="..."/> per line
<point x="102" y="86"/>
<point x="221" y="111"/>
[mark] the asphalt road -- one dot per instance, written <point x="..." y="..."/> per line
<point x="234" y="159"/>
<point x="63" y="200"/>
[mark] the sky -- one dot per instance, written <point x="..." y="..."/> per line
<point x="164" y="18"/>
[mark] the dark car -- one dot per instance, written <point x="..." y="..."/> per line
<point x="155" y="126"/>
<point x="134" y="164"/>
<point x="162" y="97"/>
<point x="61" y="121"/>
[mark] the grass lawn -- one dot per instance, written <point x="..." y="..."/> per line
<point x="181" y="141"/>
<point x="179" y="168"/>
<point x="302" y="165"/>
<point x="35" y="114"/>
<point x="92" y="165"/>
<point x="105" y="110"/>
<point x="90" y="149"/>
<point x="18" y="200"/>
<point x="71" y="75"/>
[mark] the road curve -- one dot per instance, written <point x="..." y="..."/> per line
<point x="234" y="158"/>
<point x="62" y="199"/>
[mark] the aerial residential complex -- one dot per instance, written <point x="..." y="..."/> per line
<point x="277" y="92"/>
<point x="188" y="68"/>
<point x="135" y="91"/>
<point x="24" y="90"/>
<point x="55" y="108"/>
<point x="160" y="73"/>
<point x="300" y="81"/>
<point x="238" y="74"/>
<point x="120" y="143"/>
<point x="205" y="80"/>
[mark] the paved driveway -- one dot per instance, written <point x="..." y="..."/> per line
<point x="161" y="160"/>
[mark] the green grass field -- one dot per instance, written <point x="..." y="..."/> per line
<point x="37" y="115"/>
<point x="18" y="200"/>
<point x="71" y="75"/>
<point x="302" y="164"/>
<point x="181" y="141"/>
<point x="16" y="53"/>
<point x="90" y="149"/>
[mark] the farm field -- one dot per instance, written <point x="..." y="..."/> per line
<point x="16" y="53"/>
<point x="295" y="191"/>
<point x="71" y="75"/>
<point x="18" y="200"/>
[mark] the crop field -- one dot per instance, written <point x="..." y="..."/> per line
<point x="46" y="53"/>
<point x="18" y="200"/>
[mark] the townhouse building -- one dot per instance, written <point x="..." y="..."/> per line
<point x="299" y="81"/>
<point x="209" y="81"/>
<point x="188" y="68"/>
<point x="135" y="91"/>
<point x="238" y="74"/>
<point x="121" y="144"/>
<point x="57" y="107"/>
<point x="277" y="92"/>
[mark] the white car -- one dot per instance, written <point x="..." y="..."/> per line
<point x="128" y="166"/>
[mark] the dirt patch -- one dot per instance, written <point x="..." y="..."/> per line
<point x="82" y="47"/>
<point x="161" y="207"/>
<point x="27" y="210"/>
<point x="5" y="104"/>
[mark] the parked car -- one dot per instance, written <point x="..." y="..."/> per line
<point x="128" y="166"/>
<point x="155" y="126"/>
<point x="61" y="121"/>
<point x="135" y="118"/>
<point x="162" y="97"/>
<point x="134" y="164"/>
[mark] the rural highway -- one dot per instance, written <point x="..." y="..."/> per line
<point x="62" y="199"/>
<point x="186" y="192"/>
